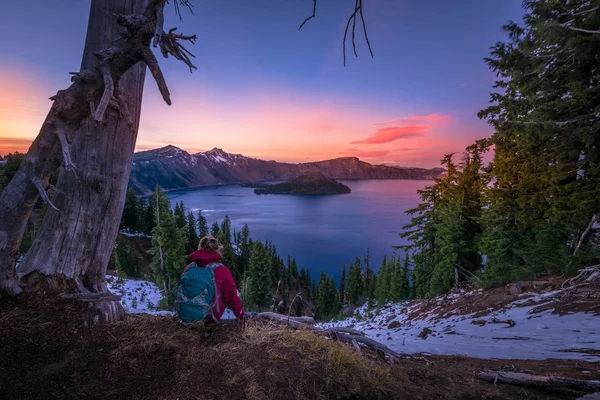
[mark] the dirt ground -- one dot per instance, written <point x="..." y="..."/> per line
<point x="45" y="353"/>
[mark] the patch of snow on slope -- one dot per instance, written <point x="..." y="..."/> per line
<point x="535" y="335"/>
<point x="137" y="296"/>
<point x="142" y="297"/>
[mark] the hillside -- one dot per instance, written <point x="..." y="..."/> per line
<point x="545" y="319"/>
<point x="173" y="168"/>
<point x="155" y="357"/>
<point x="307" y="183"/>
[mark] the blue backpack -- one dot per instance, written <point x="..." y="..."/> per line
<point x="195" y="293"/>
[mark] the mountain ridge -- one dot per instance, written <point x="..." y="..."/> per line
<point x="172" y="168"/>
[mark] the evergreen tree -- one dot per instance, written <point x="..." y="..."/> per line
<point x="230" y="261"/>
<point x="323" y="304"/>
<point x="259" y="274"/>
<point x="192" y="235"/>
<point x="355" y="283"/>
<point x="127" y="261"/>
<point x="202" y="225"/>
<point x="343" y="285"/>
<point x="226" y="229"/>
<point x="541" y="211"/>
<point x="168" y="249"/>
<point x="131" y="212"/>
<point x="383" y="282"/>
<point x="369" y="274"/>
<point x="332" y="298"/>
<point x="214" y="229"/>
<point x="179" y="214"/>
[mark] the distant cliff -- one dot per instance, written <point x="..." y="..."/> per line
<point x="312" y="183"/>
<point x="173" y="168"/>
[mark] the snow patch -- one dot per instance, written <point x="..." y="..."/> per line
<point x="513" y="332"/>
<point x="137" y="296"/>
<point x="143" y="297"/>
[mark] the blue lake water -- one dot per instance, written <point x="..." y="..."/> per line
<point x="321" y="232"/>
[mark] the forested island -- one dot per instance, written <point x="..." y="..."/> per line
<point x="307" y="183"/>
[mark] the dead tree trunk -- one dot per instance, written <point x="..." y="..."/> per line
<point x="90" y="125"/>
<point x="77" y="240"/>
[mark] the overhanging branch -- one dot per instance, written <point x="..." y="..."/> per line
<point x="358" y="10"/>
<point x="310" y="16"/>
<point x="170" y="44"/>
<point x="154" y="68"/>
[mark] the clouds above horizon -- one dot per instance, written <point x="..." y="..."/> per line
<point x="393" y="133"/>
<point x="409" y="127"/>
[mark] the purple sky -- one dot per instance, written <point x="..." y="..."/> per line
<point x="266" y="90"/>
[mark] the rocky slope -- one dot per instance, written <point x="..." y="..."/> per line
<point x="173" y="168"/>
<point x="306" y="183"/>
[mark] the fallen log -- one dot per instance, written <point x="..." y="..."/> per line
<point x="345" y="335"/>
<point x="540" y="381"/>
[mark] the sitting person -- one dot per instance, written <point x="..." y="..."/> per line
<point x="206" y="286"/>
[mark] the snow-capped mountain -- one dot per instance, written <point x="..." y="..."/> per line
<point x="173" y="168"/>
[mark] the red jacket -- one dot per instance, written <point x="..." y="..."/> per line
<point x="226" y="290"/>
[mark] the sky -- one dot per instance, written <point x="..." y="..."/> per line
<point x="266" y="90"/>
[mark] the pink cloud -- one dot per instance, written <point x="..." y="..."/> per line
<point x="392" y="133"/>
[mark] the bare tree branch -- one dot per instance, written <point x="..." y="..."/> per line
<point x="37" y="182"/>
<point x="107" y="95"/>
<point x="185" y="3"/>
<point x="311" y="16"/>
<point x="169" y="44"/>
<point x="65" y="150"/>
<point x="154" y="68"/>
<point x="362" y="18"/>
<point x="358" y="9"/>
<point x="583" y="30"/>
<point x="124" y="110"/>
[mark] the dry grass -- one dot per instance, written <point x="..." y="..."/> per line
<point x="51" y="356"/>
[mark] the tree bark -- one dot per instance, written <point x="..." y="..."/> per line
<point x="540" y="381"/>
<point x="76" y="240"/>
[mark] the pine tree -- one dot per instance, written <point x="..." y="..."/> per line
<point x="168" y="248"/>
<point x="355" y="283"/>
<point x="259" y="274"/>
<point x="229" y="259"/>
<point x="202" y="225"/>
<point x="343" y="285"/>
<point x="369" y="274"/>
<point x="214" y="229"/>
<point x="226" y="229"/>
<point x="129" y="262"/>
<point x="546" y="154"/>
<point x="131" y="212"/>
<point x="332" y="298"/>
<point x="179" y="215"/>
<point x="192" y="235"/>
<point x="323" y="304"/>
<point x="383" y="283"/>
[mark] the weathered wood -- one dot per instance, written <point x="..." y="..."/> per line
<point x="102" y="312"/>
<point x="70" y="110"/>
<point x="94" y="297"/>
<point x="343" y="334"/>
<point x="78" y="241"/>
<point x="540" y="381"/>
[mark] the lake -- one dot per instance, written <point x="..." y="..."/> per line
<point x="321" y="232"/>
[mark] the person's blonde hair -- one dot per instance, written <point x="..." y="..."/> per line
<point x="210" y="243"/>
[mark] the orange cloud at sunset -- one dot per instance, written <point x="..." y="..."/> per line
<point x="392" y="133"/>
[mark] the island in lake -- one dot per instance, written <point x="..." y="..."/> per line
<point x="313" y="183"/>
